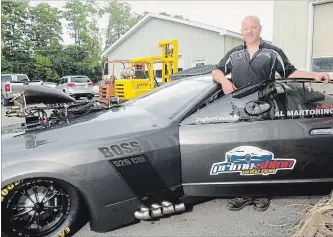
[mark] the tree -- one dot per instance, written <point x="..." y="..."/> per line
<point x="15" y="35"/>
<point x="43" y="68"/>
<point x="82" y="23"/>
<point x="120" y="20"/>
<point x="74" y="14"/>
<point x="175" y="16"/>
<point x="46" y="27"/>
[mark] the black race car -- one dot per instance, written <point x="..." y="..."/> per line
<point x="157" y="154"/>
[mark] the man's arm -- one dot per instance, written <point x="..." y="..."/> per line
<point x="288" y="70"/>
<point x="222" y="69"/>
<point x="315" y="75"/>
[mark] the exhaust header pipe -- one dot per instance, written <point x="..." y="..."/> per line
<point x="142" y="214"/>
<point x="157" y="210"/>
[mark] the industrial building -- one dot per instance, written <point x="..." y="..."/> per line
<point x="199" y="44"/>
<point x="304" y="30"/>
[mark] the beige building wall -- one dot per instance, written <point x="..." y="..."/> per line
<point x="304" y="39"/>
<point x="291" y="30"/>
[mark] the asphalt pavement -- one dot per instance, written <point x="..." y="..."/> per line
<point x="212" y="218"/>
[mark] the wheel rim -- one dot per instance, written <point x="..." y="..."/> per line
<point x="37" y="208"/>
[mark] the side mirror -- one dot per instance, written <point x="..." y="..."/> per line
<point x="256" y="108"/>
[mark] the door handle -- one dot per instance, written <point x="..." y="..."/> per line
<point x="322" y="131"/>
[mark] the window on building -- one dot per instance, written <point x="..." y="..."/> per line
<point x="324" y="64"/>
<point x="197" y="63"/>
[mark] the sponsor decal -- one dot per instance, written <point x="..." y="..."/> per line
<point x="64" y="233"/>
<point x="124" y="148"/>
<point x="5" y="191"/>
<point x="306" y="112"/>
<point x="217" y="119"/>
<point x="250" y="160"/>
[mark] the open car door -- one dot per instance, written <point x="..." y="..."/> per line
<point x="268" y="139"/>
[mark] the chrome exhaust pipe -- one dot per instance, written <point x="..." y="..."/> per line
<point x="142" y="214"/>
<point x="167" y="207"/>
<point x="180" y="207"/>
<point x="156" y="210"/>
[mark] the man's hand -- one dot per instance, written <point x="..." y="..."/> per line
<point x="228" y="86"/>
<point x="318" y="76"/>
<point x="322" y="76"/>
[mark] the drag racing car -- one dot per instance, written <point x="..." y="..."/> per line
<point x="157" y="154"/>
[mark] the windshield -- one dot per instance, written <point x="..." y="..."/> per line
<point x="80" y="79"/>
<point x="166" y="100"/>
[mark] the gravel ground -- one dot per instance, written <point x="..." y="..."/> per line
<point x="212" y="218"/>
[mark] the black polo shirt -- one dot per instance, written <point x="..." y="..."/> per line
<point x="263" y="65"/>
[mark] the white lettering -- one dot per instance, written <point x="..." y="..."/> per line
<point x="290" y="113"/>
<point x="217" y="118"/>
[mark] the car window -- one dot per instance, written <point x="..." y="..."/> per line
<point x="301" y="100"/>
<point x="22" y="78"/>
<point x="231" y="107"/>
<point x="170" y="98"/>
<point x="80" y="79"/>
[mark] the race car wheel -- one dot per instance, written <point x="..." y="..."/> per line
<point x="248" y="158"/>
<point x="40" y="207"/>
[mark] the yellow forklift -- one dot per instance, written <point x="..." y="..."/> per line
<point x="139" y="78"/>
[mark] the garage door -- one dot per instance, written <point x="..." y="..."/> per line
<point x="323" y="38"/>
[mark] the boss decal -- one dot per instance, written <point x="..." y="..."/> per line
<point x="249" y="160"/>
<point x="120" y="149"/>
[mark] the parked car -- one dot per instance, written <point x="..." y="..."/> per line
<point x="12" y="84"/>
<point x="96" y="88"/>
<point x="76" y="86"/>
<point x="154" y="155"/>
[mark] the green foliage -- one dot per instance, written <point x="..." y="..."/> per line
<point x="32" y="36"/>
<point x="43" y="67"/>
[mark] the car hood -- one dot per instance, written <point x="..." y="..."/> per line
<point x="86" y="131"/>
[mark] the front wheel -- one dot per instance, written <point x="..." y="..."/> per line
<point x="39" y="208"/>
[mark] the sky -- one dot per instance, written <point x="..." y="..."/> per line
<point x="224" y="14"/>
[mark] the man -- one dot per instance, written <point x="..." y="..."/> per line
<point x="256" y="60"/>
<point x="252" y="62"/>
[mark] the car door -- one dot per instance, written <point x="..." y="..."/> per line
<point x="228" y="150"/>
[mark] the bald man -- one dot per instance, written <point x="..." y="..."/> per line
<point x="256" y="60"/>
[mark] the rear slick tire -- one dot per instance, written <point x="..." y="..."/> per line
<point x="41" y="207"/>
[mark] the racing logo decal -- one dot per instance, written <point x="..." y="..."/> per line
<point x="249" y="160"/>
<point x="121" y="149"/>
